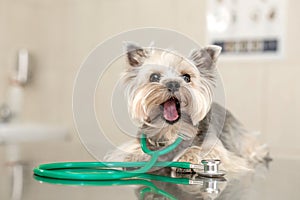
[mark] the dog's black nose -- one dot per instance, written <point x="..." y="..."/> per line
<point x="172" y="86"/>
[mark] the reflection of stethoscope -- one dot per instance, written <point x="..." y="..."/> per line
<point x="97" y="171"/>
<point x="143" y="180"/>
<point x="207" y="185"/>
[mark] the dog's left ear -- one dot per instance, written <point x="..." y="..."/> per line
<point x="206" y="57"/>
<point x="136" y="54"/>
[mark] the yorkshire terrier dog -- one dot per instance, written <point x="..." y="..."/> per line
<point x="170" y="96"/>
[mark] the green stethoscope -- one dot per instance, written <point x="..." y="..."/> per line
<point x="99" y="171"/>
<point x="102" y="174"/>
<point x="105" y="174"/>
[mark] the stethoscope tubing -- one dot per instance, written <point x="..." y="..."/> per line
<point x="98" y="170"/>
<point x="108" y="170"/>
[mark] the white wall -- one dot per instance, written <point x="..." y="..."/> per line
<point x="59" y="35"/>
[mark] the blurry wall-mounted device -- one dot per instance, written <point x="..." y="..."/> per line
<point x="247" y="29"/>
<point x="20" y="72"/>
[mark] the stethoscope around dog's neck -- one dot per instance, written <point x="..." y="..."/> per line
<point x="156" y="142"/>
<point x="158" y="152"/>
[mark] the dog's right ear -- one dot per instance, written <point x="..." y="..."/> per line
<point x="136" y="54"/>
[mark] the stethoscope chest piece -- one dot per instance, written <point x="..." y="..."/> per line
<point x="211" y="169"/>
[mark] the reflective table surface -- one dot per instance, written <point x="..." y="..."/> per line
<point x="280" y="180"/>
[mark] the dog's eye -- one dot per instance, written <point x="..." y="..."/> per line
<point x="154" y="77"/>
<point x="186" y="78"/>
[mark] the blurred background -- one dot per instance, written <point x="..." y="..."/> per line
<point x="263" y="93"/>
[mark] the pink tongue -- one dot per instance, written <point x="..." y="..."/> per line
<point x="170" y="111"/>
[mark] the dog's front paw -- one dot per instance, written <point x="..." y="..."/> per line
<point x="191" y="155"/>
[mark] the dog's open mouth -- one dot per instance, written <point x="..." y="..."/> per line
<point x="171" y="110"/>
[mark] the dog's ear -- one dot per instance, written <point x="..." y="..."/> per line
<point x="206" y="57"/>
<point x="136" y="54"/>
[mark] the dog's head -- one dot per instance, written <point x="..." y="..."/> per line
<point x="166" y="90"/>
